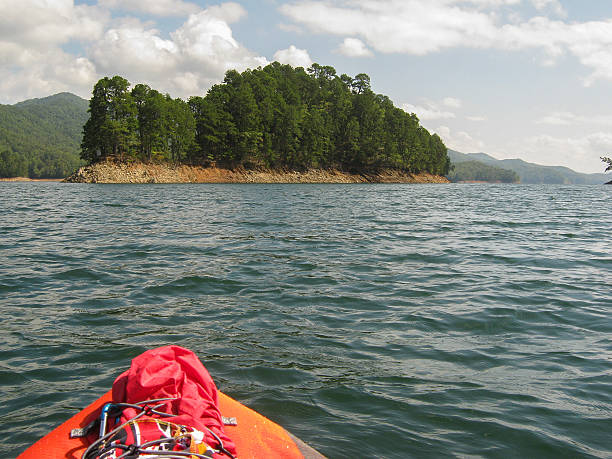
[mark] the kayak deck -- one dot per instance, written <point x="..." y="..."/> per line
<point x="255" y="436"/>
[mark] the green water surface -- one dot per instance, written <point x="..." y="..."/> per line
<point x="390" y="321"/>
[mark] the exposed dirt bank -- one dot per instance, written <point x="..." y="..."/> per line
<point x="26" y="179"/>
<point x="109" y="172"/>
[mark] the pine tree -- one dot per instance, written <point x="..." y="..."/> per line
<point x="275" y="116"/>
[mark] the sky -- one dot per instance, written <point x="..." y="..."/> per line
<point x="529" y="79"/>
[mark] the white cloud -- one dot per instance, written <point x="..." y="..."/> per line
<point x="429" y="110"/>
<point x="394" y="26"/>
<point x="552" y="5"/>
<point x="132" y="49"/>
<point x="229" y="12"/>
<point x="31" y="23"/>
<point x="294" y="57"/>
<point x="452" y="102"/>
<point x="194" y="57"/>
<point x="578" y="153"/>
<point x="206" y="42"/>
<point x="418" y="28"/>
<point x="487" y="3"/>
<point x="570" y="119"/>
<point x="40" y="74"/>
<point x="184" y="62"/>
<point x="153" y="7"/>
<point x="446" y="109"/>
<point x="354" y="47"/>
<point x="32" y="34"/>
<point x="459" y="141"/>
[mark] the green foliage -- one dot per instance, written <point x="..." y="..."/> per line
<point x="39" y="138"/>
<point x="13" y="164"/>
<point x="111" y="127"/>
<point x="608" y="161"/>
<point x="276" y="116"/>
<point x="179" y="129"/>
<point x="476" y="171"/>
<point x="138" y="124"/>
<point x="529" y="172"/>
<point x="150" y="109"/>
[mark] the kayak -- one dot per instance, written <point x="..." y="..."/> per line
<point x="253" y="435"/>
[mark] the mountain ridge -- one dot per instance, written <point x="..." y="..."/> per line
<point x="532" y="173"/>
<point x="41" y="138"/>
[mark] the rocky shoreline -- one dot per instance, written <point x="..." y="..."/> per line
<point x="112" y="172"/>
<point x="27" y="179"/>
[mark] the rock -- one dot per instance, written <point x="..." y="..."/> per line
<point x="112" y="172"/>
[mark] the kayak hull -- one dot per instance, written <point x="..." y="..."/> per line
<point x="255" y="436"/>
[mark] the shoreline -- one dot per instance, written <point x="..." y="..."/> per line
<point x="110" y="172"/>
<point x="495" y="182"/>
<point x="27" y="179"/>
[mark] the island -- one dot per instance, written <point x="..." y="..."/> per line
<point x="270" y="124"/>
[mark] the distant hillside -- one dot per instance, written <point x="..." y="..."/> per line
<point x="40" y="138"/>
<point x="532" y="173"/>
<point x="476" y="171"/>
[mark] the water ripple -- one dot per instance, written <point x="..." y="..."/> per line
<point x="371" y="320"/>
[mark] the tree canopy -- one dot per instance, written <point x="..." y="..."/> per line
<point x="39" y="138"/>
<point x="469" y="171"/>
<point x="273" y="117"/>
<point x="608" y="161"/>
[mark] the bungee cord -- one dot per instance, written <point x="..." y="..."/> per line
<point x="98" y="448"/>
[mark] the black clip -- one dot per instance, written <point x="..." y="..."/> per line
<point x="83" y="432"/>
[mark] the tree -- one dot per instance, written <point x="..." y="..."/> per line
<point x="150" y="107"/>
<point x="315" y="141"/>
<point x="608" y="161"/>
<point x="179" y="129"/>
<point x="360" y="83"/>
<point x="242" y="106"/>
<point x="369" y="113"/>
<point x="275" y="116"/>
<point x="94" y="146"/>
<point x="12" y="165"/>
<point x="213" y="125"/>
<point x="121" y="121"/>
<point x="477" y="171"/>
<point x="42" y="136"/>
<point x="111" y="128"/>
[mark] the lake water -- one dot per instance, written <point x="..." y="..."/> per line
<point x="389" y="321"/>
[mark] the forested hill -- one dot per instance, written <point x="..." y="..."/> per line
<point x="532" y="173"/>
<point x="469" y="171"/>
<point x="40" y="138"/>
<point x="276" y="117"/>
